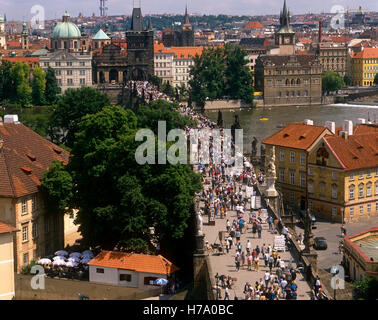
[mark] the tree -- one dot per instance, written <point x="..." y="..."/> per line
<point x="71" y="107"/>
<point x="376" y="79"/>
<point x="132" y="198"/>
<point x="347" y="80"/>
<point x="19" y="74"/>
<point x="52" y="89"/>
<point x="38" y="86"/>
<point x="366" y="289"/>
<point x="168" y="89"/>
<point x="6" y="88"/>
<point x="331" y="81"/>
<point x="57" y="188"/>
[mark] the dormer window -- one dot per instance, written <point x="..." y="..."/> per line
<point x="31" y="157"/>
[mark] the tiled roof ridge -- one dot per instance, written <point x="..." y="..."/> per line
<point x="8" y="173"/>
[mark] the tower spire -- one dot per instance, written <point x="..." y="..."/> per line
<point x="187" y="22"/>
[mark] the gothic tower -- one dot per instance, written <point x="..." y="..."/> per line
<point x="140" y="48"/>
<point x="187" y="32"/>
<point x="24" y="37"/>
<point x="285" y="37"/>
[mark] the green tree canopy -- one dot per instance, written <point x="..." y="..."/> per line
<point x="38" y="86"/>
<point x="331" y="81"/>
<point x="376" y="79"/>
<point x="19" y="74"/>
<point x="71" y="107"/>
<point x="52" y="89"/>
<point x="367" y="289"/>
<point x="7" y="90"/>
<point x="347" y="80"/>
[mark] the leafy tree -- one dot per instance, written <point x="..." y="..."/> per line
<point x="71" y="107"/>
<point x="376" y="79"/>
<point x="38" y="119"/>
<point x="366" y="289"/>
<point x="168" y="89"/>
<point x="57" y="187"/>
<point x="52" y="89"/>
<point x="19" y="74"/>
<point x="331" y="81"/>
<point x="6" y="88"/>
<point x="156" y="81"/>
<point x="347" y="80"/>
<point x="133" y="197"/>
<point x="38" y="86"/>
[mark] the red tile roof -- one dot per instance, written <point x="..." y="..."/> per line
<point x="29" y="60"/>
<point x="367" y="53"/>
<point x="179" y="52"/>
<point x="24" y="157"/>
<point x="254" y="25"/>
<point x="296" y="135"/>
<point x="134" y="262"/>
<point x="358" y="151"/>
<point x="5" y="228"/>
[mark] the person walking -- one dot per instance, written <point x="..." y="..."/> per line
<point x="228" y="226"/>
<point x="226" y="294"/>
<point x="270" y="262"/>
<point x="266" y="258"/>
<point x="257" y="263"/>
<point x="267" y="278"/>
<point x="242" y="257"/>
<point x="248" y="246"/>
<point x="237" y="262"/>
<point x="259" y="230"/>
<point x="250" y="259"/>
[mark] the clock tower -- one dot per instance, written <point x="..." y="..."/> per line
<point x="285" y="37"/>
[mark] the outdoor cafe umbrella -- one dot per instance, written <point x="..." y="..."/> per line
<point x="87" y="253"/>
<point x="44" y="261"/>
<point x="161" y="282"/>
<point x="75" y="254"/>
<point x="85" y="260"/>
<point x="71" y="264"/>
<point x="74" y="259"/>
<point x="61" y="253"/>
<point x="59" y="263"/>
<point x="59" y="258"/>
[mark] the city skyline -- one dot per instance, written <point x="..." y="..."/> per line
<point x="53" y="10"/>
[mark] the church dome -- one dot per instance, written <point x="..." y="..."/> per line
<point x="66" y="29"/>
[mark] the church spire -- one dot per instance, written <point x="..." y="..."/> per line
<point x="187" y="22"/>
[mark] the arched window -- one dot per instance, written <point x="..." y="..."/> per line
<point x="368" y="189"/>
<point x="361" y="190"/>
<point x="376" y="188"/>
<point x="287" y="82"/>
<point x="292" y="82"/>
<point x="279" y="94"/>
<point x="305" y="93"/>
<point x="298" y="81"/>
<point x="287" y="94"/>
<point x="351" y="192"/>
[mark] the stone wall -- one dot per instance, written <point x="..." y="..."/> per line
<point x="224" y="105"/>
<point x="65" y="289"/>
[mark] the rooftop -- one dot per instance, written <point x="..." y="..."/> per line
<point x="254" y="25"/>
<point x="366" y="244"/>
<point x="132" y="261"/>
<point x="367" y="53"/>
<point x="5" y="228"/>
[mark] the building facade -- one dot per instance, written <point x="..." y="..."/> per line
<point x="140" y="48"/>
<point x="333" y="57"/>
<point x="24" y="157"/>
<point x="72" y="70"/>
<point x="7" y="285"/>
<point x="365" y="67"/>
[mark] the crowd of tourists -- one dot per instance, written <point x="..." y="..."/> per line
<point x="150" y="91"/>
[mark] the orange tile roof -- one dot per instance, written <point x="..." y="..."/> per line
<point x="305" y="40"/>
<point x="179" y="52"/>
<point x="296" y="136"/>
<point x="367" y="53"/>
<point x="5" y="228"/>
<point x="254" y="25"/>
<point x="132" y="261"/>
<point x="29" y="60"/>
<point x="24" y="157"/>
<point x="357" y="151"/>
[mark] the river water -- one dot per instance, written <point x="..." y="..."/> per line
<point x="282" y="116"/>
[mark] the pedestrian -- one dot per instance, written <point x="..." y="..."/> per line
<point x="254" y="229"/>
<point x="275" y="256"/>
<point x="259" y="230"/>
<point x="270" y="262"/>
<point x="248" y="246"/>
<point x="257" y="263"/>
<point x="317" y="284"/>
<point x="237" y="235"/>
<point x="237" y="262"/>
<point x="228" y="226"/>
<point x="226" y="294"/>
<point x="242" y="257"/>
<point x="230" y="242"/>
<point x="250" y="259"/>
<point x="266" y="278"/>
<point x="266" y="257"/>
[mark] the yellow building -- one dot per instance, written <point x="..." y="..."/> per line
<point x="24" y="157"/>
<point x="6" y="262"/>
<point x="343" y="174"/>
<point x="292" y="146"/>
<point x="365" y="67"/>
<point x="361" y="254"/>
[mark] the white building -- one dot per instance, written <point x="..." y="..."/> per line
<point x="164" y="66"/>
<point x="129" y="269"/>
<point x="72" y="70"/>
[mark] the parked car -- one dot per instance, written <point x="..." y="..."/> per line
<point x="320" y="243"/>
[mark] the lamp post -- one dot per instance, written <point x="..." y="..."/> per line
<point x="167" y="269"/>
<point x="217" y="282"/>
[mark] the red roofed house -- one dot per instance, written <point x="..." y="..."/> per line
<point x="129" y="269"/>
<point x="24" y="157"/>
<point x="6" y="262"/>
<point x="343" y="173"/>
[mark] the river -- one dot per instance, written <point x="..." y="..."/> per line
<point x="282" y="116"/>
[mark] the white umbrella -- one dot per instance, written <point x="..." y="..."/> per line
<point x="61" y="253"/>
<point x="75" y="254"/>
<point x="59" y="258"/>
<point x="44" y="261"/>
<point x="74" y="259"/>
<point x="59" y="263"/>
<point x="71" y="264"/>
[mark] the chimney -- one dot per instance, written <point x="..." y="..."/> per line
<point x="331" y="126"/>
<point x="348" y="127"/>
<point x="344" y="135"/>
<point x="361" y="121"/>
<point x="308" y="122"/>
<point x="1" y="121"/>
<point x="320" y="31"/>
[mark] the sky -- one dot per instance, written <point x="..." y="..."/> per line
<point x="54" y="9"/>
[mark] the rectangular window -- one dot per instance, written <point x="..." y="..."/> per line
<point x="368" y="174"/>
<point x="361" y="191"/>
<point x="368" y="190"/>
<point x="351" y="176"/>
<point x="292" y="156"/>
<point x="334" y="211"/>
<point x="125" y="277"/>
<point x="361" y="175"/>
<point x="82" y="72"/>
<point x="303" y="180"/>
<point x="334" y="175"/>
<point x="351" y="193"/>
<point x="282" y="155"/>
<point x="361" y="211"/>
<point x="24" y="206"/>
<point x="303" y="159"/>
<point x="292" y="198"/>
<point x="82" y="81"/>
<point x="100" y="270"/>
<point x="311" y="171"/>
<point x="69" y="81"/>
<point x="26" y="258"/>
<point x="292" y="177"/>
<point x="69" y="72"/>
<point x="376" y="207"/>
<point x="368" y="207"/>
<point x="69" y="64"/>
<point x="24" y="233"/>
<point x="351" y="212"/>
<point x="282" y="175"/>
<point x="34" y="203"/>
<point x="34" y="230"/>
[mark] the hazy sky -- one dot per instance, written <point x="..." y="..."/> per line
<point x="21" y="9"/>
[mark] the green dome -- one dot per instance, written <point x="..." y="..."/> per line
<point x="66" y="29"/>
